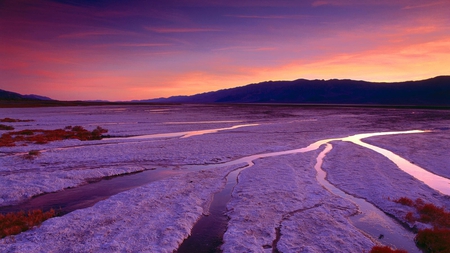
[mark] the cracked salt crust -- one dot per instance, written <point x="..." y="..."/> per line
<point x="158" y="216"/>
<point x="281" y="191"/>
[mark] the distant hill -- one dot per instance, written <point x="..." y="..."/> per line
<point x="429" y="92"/>
<point x="8" y="95"/>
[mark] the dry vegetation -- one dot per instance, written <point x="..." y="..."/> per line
<point x="15" y="223"/>
<point x="5" y="127"/>
<point x="15" y="120"/>
<point x="32" y="154"/>
<point x="433" y="240"/>
<point x="39" y="136"/>
<point x="386" y="249"/>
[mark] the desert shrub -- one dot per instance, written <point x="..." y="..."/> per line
<point x="386" y="249"/>
<point x="39" y="136"/>
<point x="430" y="240"/>
<point x="427" y="213"/>
<point x="32" y="154"/>
<point x="434" y="215"/>
<point x="14" y="223"/>
<point x="15" y="120"/>
<point x="25" y="132"/>
<point x="78" y="129"/>
<point x="7" y="120"/>
<point x="6" y="140"/>
<point x="97" y="133"/>
<point x="434" y="240"/>
<point x="5" y="127"/>
<point x="405" y="201"/>
<point x="409" y="217"/>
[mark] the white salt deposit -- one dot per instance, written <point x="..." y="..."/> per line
<point x="276" y="194"/>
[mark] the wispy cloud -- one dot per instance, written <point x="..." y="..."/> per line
<point x="269" y="16"/>
<point x="142" y="44"/>
<point x="249" y="49"/>
<point x="425" y="5"/>
<point x="320" y="3"/>
<point x="94" y="33"/>
<point x="180" y="30"/>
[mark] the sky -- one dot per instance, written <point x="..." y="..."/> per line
<point x="134" y="49"/>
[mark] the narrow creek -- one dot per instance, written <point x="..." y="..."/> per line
<point x="371" y="220"/>
<point x="87" y="195"/>
<point x="185" y="134"/>
<point x="208" y="231"/>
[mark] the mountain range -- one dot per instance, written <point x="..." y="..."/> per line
<point x="8" y="95"/>
<point x="430" y="92"/>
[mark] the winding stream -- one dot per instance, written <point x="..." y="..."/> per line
<point x="371" y="220"/>
<point x="185" y="134"/>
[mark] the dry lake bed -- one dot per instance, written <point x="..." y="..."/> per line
<point x="231" y="178"/>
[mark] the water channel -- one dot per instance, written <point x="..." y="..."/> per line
<point x="371" y="220"/>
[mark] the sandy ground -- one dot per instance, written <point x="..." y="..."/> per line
<point x="278" y="193"/>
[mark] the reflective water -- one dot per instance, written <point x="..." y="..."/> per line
<point x="207" y="233"/>
<point x="182" y="134"/>
<point x="87" y="195"/>
<point x="434" y="181"/>
<point x="371" y="220"/>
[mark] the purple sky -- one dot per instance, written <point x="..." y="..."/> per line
<point x="123" y="50"/>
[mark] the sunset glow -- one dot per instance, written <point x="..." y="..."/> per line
<point x="125" y="50"/>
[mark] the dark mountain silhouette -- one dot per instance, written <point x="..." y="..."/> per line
<point x="8" y="95"/>
<point x="429" y="92"/>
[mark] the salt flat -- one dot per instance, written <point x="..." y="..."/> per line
<point x="276" y="203"/>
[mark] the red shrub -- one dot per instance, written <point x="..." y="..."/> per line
<point x="14" y="223"/>
<point x="15" y="120"/>
<point x="434" y="240"/>
<point x="5" y="127"/>
<point x="39" y="136"/>
<point x="430" y="240"/>
<point x="434" y="215"/>
<point x="7" y="120"/>
<point x="419" y="202"/>
<point x="25" y="132"/>
<point x="404" y="201"/>
<point x="6" y="140"/>
<point x="410" y="217"/>
<point x="428" y="213"/>
<point x="78" y="129"/>
<point x="386" y="249"/>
